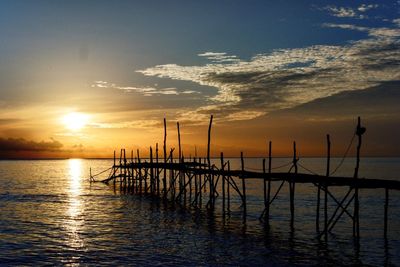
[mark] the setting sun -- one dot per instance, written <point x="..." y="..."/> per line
<point x="75" y="121"/>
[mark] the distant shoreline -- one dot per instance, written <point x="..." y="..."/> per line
<point x="250" y="157"/>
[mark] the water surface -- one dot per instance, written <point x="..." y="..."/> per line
<point x="51" y="214"/>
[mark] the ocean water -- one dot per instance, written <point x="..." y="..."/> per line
<point x="51" y="215"/>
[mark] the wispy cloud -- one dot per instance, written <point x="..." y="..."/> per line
<point x="219" y="57"/>
<point x="287" y="78"/>
<point x="375" y="32"/>
<point x="364" y="7"/>
<point x="135" y="124"/>
<point x="350" y="12"/>
<point x="341" y="12"/>
<point x="146" y="91"/>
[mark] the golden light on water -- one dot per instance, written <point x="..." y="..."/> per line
<point x="74" y="221"/>
<point x="75" y="121"/>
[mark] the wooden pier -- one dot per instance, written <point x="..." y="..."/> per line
<point x="197" y="183"/>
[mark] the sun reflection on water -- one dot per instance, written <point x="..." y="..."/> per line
<point x="74" y="217"/>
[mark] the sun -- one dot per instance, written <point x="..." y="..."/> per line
<point x="75" y="121"/>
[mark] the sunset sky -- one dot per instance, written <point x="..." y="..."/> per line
<point x="82" y="78"/>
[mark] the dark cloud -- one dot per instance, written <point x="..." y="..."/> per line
<point x="381" y="100"/>
<point x="21" y="144"/>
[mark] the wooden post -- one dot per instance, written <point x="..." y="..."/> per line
<point x="228" y="189"/>
<point x="172" y="175"/>
<point x="200" y="184"/>
<point x="269" y="180"/>
<point x="125" y="169"/>
<point x="244" y="188"/>
<point x="210" y="177"/>
<point x="120" y="170"/>
<point x="223" y="184"/>
<point x="180" y="158"/>
<point x="195" y="182"/>
<point x="265" y="185"/>
<point x="386" y="213"/>
<point x="157" y="173"/>
<point x="165" y="159"/>
<point x="328" y="163"/>
<point x="151" y="172"/>
<point x="356" y="221"/>
<point x="190" y="183"/>
<point x="114" y="170"/>
<point x="292" y="185"/>
<point x="209" y="141"/>
<point x="140" y="172"/>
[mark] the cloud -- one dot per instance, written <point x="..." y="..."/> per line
<point x="219" y="57"/>
<point x="374" y="32"/>
<point x="146" y="91"/>
<point x="364" y="7"/>
<point x="286" y="78"/>
<point x="341" y="12"/>
<point x="136" y="124"/>
<point x="21" y="144"/>
<point x="350" y="12"/>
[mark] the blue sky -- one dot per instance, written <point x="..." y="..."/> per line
<point x="135" y="62"/>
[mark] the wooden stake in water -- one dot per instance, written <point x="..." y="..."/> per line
<point x="356" y="221"/>
<point x="292" y="186"/>
<point x="223" y="184"/>
<point x="385" y="228"/>
<point x="165" y="159"/>
<point x="244" y="188"/>
<point x="157" y="173"/>
<point x="328" y="163"/>
<point x="269" y="180"/>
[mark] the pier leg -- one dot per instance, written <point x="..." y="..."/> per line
<point x="291" y="189"/>
<point x="265" y="186"/>
<point x="244" y="189"/>
<point x="165" y="159"/>
<point x="228" y="189"/>
<point x="223" y="185"/>
<point x="356" y="221"/>
<point x="269" y="180"/>
<point x="292" y="185"/>
<point x="196" y="186"/>
<point x="140" y="172"/>
<point x="326" y="212"/>
<point x="151" y="172"/>
<point x="385" y="228"/>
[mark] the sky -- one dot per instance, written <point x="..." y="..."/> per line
<point x="84" y="78"/>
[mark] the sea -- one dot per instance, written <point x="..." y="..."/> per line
<point x="51" y="214"/>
